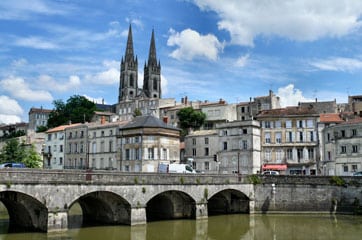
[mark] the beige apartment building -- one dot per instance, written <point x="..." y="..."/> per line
<point x="289" y="140"/>
<point x="343" y="148"/>
<point x="145" y="142"/>
<point x="233" y="147"/>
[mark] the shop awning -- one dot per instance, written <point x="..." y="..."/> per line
<point x="280" y="167"/>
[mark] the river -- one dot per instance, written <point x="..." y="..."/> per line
<point x="225" y="227"/>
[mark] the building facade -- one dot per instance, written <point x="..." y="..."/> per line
<point x="343" y="148"/>
<point x="146" y="142"/>
<point x="38" y="117"/>
<point x="289" y="140"/>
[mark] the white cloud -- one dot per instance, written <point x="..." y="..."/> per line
<point x="48" y="82"/>
<point x="18" y="88"/>
<point x="338" y="64"/>
<point x="21" y="10"/>
<point x="10" y="110"/>
<point x="98" y="100"/>
<point x="241" y="61"/>
<point x="290" y="96"/>
<point x="19" y="62"/>
<point x="191" y="44"/>
<point x="35" y="42"/>
<point x="298" y="20"/>
<point x="107" y="77"/>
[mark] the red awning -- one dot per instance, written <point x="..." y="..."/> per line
<point x="280" y="167"/>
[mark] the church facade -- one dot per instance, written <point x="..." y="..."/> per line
<point x="131" y="97"/>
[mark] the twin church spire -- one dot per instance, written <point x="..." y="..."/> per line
<point x="128" y="88"/>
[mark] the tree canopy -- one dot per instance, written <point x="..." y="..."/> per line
<point x="190" y="118"/>
<point x="13" y="151"/>
<point x="77" y="109"/>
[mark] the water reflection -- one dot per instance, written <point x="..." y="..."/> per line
<point x="240" y="227"/>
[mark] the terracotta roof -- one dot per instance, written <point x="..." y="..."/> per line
<point x="330" y="118"/>
<point x="62" y="127"/>
<point x="353" y="121"/>
<point x="280" y="112"/>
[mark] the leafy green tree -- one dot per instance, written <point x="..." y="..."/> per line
<point x="13" y="151"/>
<point x="77" y="109"/>
<point x="137" y="112"/>
<point x="190" y="118"/>
<point x="41" y="129"/>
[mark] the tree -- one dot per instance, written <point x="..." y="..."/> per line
<point x="137" y="112"/>
<point x="77" y="109"/>
<point x="13" y="151"/>
<point x="190" y="119"/>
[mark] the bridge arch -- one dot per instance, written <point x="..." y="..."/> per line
<point x="26" y="213"/>
<point x="103" y="208"/>
<point x="171" y="204"/>
<point x="228" y="201"/>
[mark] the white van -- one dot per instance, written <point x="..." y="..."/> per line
<point x="270" y="173"/>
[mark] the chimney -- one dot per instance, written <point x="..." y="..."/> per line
<point x="182" y="100"/>
<point x="316" y="100"/>
<point x="186" y="100"/>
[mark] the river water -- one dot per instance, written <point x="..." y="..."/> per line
<point x="225" y="227"/>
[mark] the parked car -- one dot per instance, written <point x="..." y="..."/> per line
<point x="270" y="173"/>
<point x="357" y="174"/>
<point x="12" y="165"/>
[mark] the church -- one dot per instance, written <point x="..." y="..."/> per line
<point x="131" y="98"/>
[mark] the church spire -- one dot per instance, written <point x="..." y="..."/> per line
<point x="152" y="59"/>
<point x="129" y="49"/>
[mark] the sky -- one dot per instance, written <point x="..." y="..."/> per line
<point x="208" y="49"/>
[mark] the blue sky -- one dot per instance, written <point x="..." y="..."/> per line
<point x="208" y="49"/>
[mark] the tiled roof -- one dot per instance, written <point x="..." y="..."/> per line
<point x="353" y="121"/>
<point x="147" y="122"/>
<point x="62" y="127"/>
<point x="39" y="110"/>
<point x="288" y="111"/>
<point x="330" y="118"/>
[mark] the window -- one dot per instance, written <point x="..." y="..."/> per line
<point x="278" y="137"/>
<point x="329" y="156"/>
<point x="289" y="136"/>
<point x="194" y="152"/>
<point x="300" y="136"/>
<point x="225" y="146"/>
<point x="102" y="146"/>
<point x="300" y="154"/>
<point x="310" y="153"/>
<point x="110" y="147"/>
<point x="102" y="133"/>
<point x="81" y="134"/>
<point x="354" y="132"/>
<point x="206" y="141"/>
<point x="154" y="84"/>
<point x="267" y="124"/>
<point x="60" y="148"/>
<point x="194" y="141"/>
<point x="136" y="139"/>
<point x="224" y="132"/>
<point x="60" y="161"/>
<point x="278" y="124"/>
<point x="151" y="153"/>
<point x="267" y="137"/>
<point x="310" y="123"/>
<point x="206" y="165"/>
<point x="288" y="124"/>
<point x="354" y="168"/>
<point x="164" y="153"/>
<point x="278" y="155"/>
<point x="138" y="153"/>
<point x="311" y="135"/>
<point x="49" y="137"/>
<point x="300" y="124"/>
<point x="245" y="145"/>
<point x="242" y="109"/>
<point x="343" y="133"/>
<point x="110" y="132"/>
<point x="267" y="155"/>
<point x="245" y="131"/>
<point x="289" y="154"/>
<point x="354" y="148"/>
<point x="128" y="155"/>
<point x="81" y="147"/>
<point x="206" y="151"/>
<point x="343" y="149"/>
<point x="345" y="168"/>
<point x="94" y="134"/>
<point x="328" y="137"/>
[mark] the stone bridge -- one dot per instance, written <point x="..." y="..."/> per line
<point x="40" y="200"/>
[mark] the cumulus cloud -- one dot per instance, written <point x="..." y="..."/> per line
<point x="10" y="110"/>
<point x="98" y="100"/>
<point x="191" y="44"/>
<point x="241" y="61"/>
<point x="48" y="82"/>
<point x="290" y="96"/>
<point x="296" y="20"/>
<point x="19" y="89"/>
<point x="109" y="76"/>
<point x="338" y="64"/>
